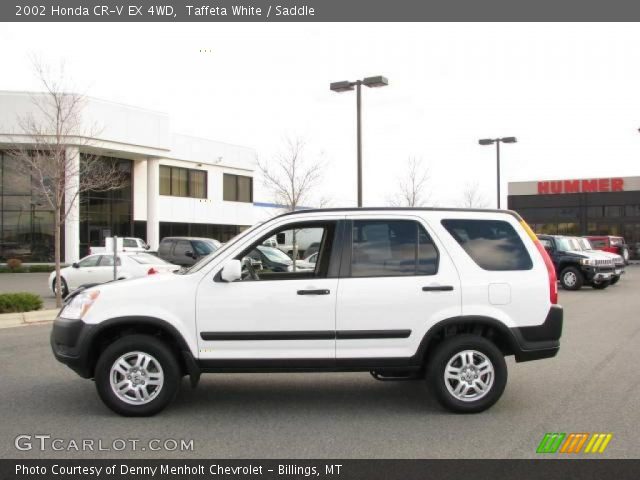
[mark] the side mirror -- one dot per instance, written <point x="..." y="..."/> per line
<point x="232" y="271"/>
<point x="189" y="254"/>
<point x="75" y="265"/>
<point x="147" y="247"/>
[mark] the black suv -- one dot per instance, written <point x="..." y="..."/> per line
<point x="576" y="267"/>
<point x="186" y="251"/>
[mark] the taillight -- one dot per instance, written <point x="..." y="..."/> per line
<point x="152" y="271"/>
<point x="551" y="271"/>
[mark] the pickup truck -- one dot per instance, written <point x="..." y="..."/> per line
<point x="129" y="244"/>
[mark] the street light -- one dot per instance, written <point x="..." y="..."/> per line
<point x="346" y="86"/>
<point x="497" y="141"/>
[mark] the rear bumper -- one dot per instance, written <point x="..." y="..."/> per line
<point x="540" y="341"/>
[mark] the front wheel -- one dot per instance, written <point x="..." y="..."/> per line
<point x="63" y="284"/>
<point x="601" y="285"/>
<point x="468" y="373"/>
<point x="571" y="279"/>
<point x="137" y="376"/>
<point x="615" y="280"/>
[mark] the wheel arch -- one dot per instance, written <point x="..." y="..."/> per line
<point x="106" y="332"/>
<point x="487" y="327"/>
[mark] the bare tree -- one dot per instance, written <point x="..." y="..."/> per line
<point x="412" y="186"/>
<point x="58" y="178"/>
<point x="291" y="178"/>
<point x="472" y="197"/>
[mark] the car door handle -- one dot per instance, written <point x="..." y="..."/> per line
<point x="438" y="288"/>
<point x="314" y="292"/>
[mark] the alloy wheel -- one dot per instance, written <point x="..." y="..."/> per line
<point x="469" y="375"/>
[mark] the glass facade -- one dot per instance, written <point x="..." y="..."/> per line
<point x="104" y="214"/>
<point x="183" y="182"/>
<point x="596" y="213"/>
<point x="237" y="188"/>
<point x="26" y="219"/>
<point x="222" y="233"/>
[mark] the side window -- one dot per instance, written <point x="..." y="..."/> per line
<point x="546" y="243"/>
<point x="386" y="248"/>
<point x="165" y="247"/>
<point x="492" y="244"/>
<point x="107" y="261"/>
<point x="263" y="261"/>
<point x="129" y="243"/>
<point x="182" y="247"/>
<point x="91" y="261"/>
<point x="599" y="243"/>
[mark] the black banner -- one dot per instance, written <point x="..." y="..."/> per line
<point x="547" y="469"/>
<point x="316" y="10"/>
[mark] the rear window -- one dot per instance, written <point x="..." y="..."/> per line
<point x="492" y="244"/>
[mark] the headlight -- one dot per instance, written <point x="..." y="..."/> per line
<point x="80" y="305"/>
<point x="587" y="261"/>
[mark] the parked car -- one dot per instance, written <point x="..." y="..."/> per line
<point x="185" y="251"/>
<point x="423" y="293"/>
<point x="618" y="261"/>
<point x="129" y="244"/>
<point x="576" y="267"/>
<point x="98" y="268"/>
<point x="610" y="243"/>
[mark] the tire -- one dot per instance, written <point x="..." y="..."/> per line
<point x="449" y="353"/>
<point x="614" y="280"/>
<point x="601" y="286"/>
<point x="65" y="288"/>
<point x="571" y="279"/>
<point x="161" y="368"/>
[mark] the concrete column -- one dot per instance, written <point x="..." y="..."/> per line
<point x="72" y="222"/>
<point x="153" y="200"/>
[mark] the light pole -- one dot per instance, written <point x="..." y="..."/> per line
<point x="345" y="86"/>
<point x="497" y="141"/>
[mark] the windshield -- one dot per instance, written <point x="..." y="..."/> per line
<point x="205" y="248"/>
<point x="274" y="254"/>
<point x="196" y="267"/>
<point x="568" y="244"/>
<point x="584" y="243"/>
<point x="148" y="259"/>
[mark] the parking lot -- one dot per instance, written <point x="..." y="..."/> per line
<point x="591" y="386"/>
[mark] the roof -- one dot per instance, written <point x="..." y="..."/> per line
<point x="404" y="209"/>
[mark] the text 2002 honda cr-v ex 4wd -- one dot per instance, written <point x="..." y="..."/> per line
<point x="402" y="293"/>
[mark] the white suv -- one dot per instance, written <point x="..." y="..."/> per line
<point x="401" y="293"/>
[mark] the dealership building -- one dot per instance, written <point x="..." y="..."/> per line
<point x="175" y="184"/>
<point x="591" y="206"/>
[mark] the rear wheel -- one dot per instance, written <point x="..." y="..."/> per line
<point x="571" y="279"/>
<point x="468" y="373"/>
<point x="63" y="283"/>
<point x="137" y="376"/>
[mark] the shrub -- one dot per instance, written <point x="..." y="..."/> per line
<point x="19" y="302"/>
<point x="41" y="268"/>
<point x="14" y="263"/>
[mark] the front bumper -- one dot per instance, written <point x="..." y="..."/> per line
<point x="598" y="274"/>
<point x="540" y="341"/>
<point x="68" y="343"/>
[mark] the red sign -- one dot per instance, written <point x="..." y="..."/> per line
<point x="581" y="186"/>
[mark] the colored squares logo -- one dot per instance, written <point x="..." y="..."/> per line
<point x="574" y="442"/>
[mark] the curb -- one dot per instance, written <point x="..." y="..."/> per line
<point x="10" y="320"/>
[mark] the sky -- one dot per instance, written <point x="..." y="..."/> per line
<point x="570" y="93"/>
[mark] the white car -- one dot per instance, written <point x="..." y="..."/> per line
<point x="98" y="268"/>
<point x="437" y="294"/>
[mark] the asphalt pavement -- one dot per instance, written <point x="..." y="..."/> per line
<point x="591" y="386"/>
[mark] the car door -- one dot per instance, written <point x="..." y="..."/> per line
<point x="104" y="271"/>
<point x="183" y="253"/>
<point x="396" y="281"/>
<point x="272" y="318"/>
<point x="83" y="272"/>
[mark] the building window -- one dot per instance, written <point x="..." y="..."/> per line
<point x="613" y="211"/>
<point x="595" y="212"/>
<point x="237" y="188"/>
<point x="183" y="182"/>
